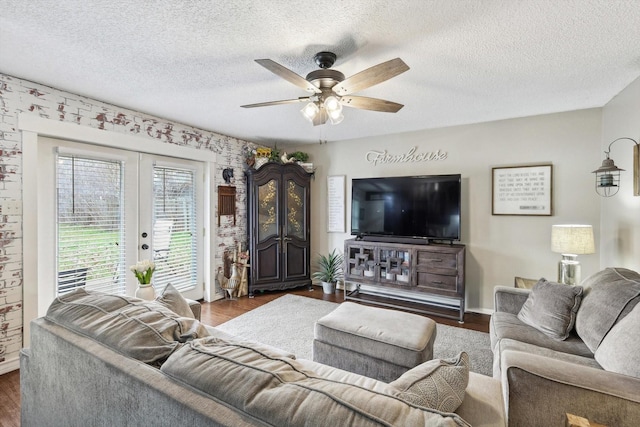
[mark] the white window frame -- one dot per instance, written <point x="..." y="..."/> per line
<point x="32" y="127"/>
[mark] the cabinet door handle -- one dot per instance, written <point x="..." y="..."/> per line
<point x="286" y="238"/>
<point x="277" y="238"/>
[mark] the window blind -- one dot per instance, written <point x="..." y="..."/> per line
<point x="174" y="228"/>
<point x="90" y="225"/>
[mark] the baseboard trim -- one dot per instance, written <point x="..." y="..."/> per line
<point x="9" y="365"/>
<point x="479" y="311"/>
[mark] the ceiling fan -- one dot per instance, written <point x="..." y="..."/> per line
<point x="330" y="90"/>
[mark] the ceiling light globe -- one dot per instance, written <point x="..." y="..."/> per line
<point x="331" y="103"/>
<point x="335" y="119"/>
<point x="309" y="111"/>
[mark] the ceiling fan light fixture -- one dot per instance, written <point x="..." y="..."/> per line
<point x="330" y="91"/>
<point x="334" y="109"/>
<point x="336" y="118"/>
<point x="310" y="111"/>
<point x="331" y="103"/>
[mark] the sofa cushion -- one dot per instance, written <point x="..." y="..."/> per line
<point x="514" y="345"/>
<point x="608" y="296"/>
<point x="143" y="330"/>
<point x="438" y="384"/>
<point x="508" y="326"/>
<point x="331" y="373"/>
<point x="281" y="391"/>
<point x="551" y="308"/>
<point x="174" y="301"/>
<point x="619" y="351"/>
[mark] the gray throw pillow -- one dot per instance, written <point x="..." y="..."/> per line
<point x="620" y="349"/>
<point x="551" y="308"/>
<point x="609" y="295"/>
<point x="438" y="384"/>
<point x="174" y="301"/>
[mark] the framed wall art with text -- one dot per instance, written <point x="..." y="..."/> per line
<point x="522" y="190"/>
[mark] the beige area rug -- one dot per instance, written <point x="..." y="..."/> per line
<point x="287" y="323"/>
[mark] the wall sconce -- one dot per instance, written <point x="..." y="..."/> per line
<point x="608" y="175"/>
<point x="571" y="241"/>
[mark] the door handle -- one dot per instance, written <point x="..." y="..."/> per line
<point x="145" y="247"/>
<point x="286" y="238"/>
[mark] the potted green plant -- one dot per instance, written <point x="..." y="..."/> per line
<point x="299" y="156"/>
<point x="329" y="270"/>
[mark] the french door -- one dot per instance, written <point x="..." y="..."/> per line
<point x="171" y="223"/>
<point x="112" y="208"/>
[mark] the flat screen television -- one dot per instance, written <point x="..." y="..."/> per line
<point x="418" y="207"/>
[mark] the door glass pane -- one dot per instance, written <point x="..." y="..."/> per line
<point x="267" y="210"/>
<point x="174" y="238"/>
<point x="90" y="225"/>
<point x="295" y="210"/>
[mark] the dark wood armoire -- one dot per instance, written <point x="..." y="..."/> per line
<point x="278" y="208"/>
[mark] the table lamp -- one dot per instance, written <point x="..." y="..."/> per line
<point x="571" y="241"/>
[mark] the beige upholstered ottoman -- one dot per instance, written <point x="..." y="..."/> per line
<point x="375" y="342"/>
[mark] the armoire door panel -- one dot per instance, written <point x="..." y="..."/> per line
<point x="268" y="210"/>
<point x="295" y="259"/>
<point x="267" y="263"/>
<point x="295" y="206"/>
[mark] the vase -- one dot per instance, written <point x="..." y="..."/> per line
<point x="146" y="292"/>
<point x="328" y="287"/>
<point x="234" y="281"/>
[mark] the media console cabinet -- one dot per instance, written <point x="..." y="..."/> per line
<point x="426" y="278"/>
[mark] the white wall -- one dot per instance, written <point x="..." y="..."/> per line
<point x="498" y="247"/>
<point x="620" y="214"/>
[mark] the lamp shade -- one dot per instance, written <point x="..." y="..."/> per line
<point x="572" y="239"/>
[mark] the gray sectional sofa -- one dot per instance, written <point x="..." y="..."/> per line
<point x="560" y="349"/>
<point x="106" y="360"/>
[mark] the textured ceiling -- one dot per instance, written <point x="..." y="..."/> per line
<point x="192" y="61"/>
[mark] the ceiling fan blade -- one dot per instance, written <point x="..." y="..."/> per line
<point x="371" y="76"/>
<point x="288" y="75"/>
<point x="321" y="118"/>
<point x="373" y="104"/>
<point x="284" y="101"/>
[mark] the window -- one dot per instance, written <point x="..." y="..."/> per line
<point x="116" y="207"/>
<point x="43" y="140"/>
<point x="174" y="241"/>
<point x="90" y="224"/>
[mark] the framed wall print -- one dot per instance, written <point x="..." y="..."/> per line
<point x="335" y="204"/>
<point x="522" y="190"/>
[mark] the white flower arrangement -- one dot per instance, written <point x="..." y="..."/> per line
<point x="143" y="270"/>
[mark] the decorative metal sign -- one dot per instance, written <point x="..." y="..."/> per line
<point x="382" y="157"/>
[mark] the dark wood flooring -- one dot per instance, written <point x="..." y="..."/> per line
<point x="214" y="314"/>
<point x="10" y="399"/>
